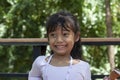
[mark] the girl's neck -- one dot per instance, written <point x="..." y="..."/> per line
<point x="59" y="57"/>
<point x="60" y="60"/>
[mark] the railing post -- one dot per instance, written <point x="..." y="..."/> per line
<point x="38" y="50"/>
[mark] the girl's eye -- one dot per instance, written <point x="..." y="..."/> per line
<point x="53" y="35"/>
<point x="66" y="34"/>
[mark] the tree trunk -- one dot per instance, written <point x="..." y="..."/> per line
<point x="111" y="52"/>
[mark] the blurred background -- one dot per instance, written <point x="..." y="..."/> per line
<point x="27" y="18"/>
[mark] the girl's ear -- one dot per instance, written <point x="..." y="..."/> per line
<point x="77" y="36"/>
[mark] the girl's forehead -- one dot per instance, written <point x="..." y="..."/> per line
<point x="61" y="28"/>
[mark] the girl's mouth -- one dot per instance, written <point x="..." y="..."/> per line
<point x="60" y="46"/>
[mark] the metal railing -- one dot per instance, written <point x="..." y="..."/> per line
<point x="39" y="43"/>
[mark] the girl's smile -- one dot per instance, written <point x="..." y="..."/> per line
<point x="60" y="46"/>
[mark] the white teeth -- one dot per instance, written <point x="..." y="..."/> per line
<point x="60" y="46"/>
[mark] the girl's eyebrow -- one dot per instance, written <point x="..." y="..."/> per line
<point x="52" y="32"/>
<point x="66" y="29"/>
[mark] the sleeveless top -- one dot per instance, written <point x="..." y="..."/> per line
<point x="80" y="71"/>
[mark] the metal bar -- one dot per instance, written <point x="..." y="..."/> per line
<point x="44" y="41"/>
<point x="13" y="75"/>
<point x="23" y="41"/>
<point x="38" y="50"/>
<point x="26" y="75"/>
<point x="100" y="41"/>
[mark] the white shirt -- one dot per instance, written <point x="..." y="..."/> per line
<point x="80" y="71"/>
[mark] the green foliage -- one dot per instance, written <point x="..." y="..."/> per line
<point x="115" y="6"/>
<point x="93" y="19"/>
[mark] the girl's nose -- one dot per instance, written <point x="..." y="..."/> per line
<point x="59" y="39"/>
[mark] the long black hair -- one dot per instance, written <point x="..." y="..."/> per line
<point x="66" y="20"/>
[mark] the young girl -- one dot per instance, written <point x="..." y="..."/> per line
<point x="65" y="61"/>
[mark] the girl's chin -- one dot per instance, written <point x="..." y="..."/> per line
<point x="60" y="53"/>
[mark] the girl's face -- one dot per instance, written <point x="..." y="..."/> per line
<point x="61" y="41"/>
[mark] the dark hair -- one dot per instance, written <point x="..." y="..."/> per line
<point x="66" y="20"/>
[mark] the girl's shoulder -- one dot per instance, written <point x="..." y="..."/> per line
<point x="40" y="60"/>
<point x="80" y="62"/>
<point x="81" y="66"/>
